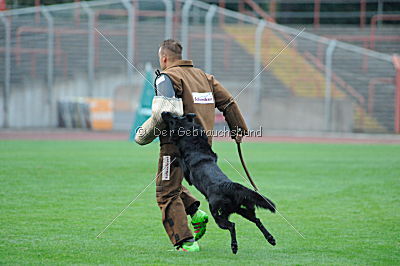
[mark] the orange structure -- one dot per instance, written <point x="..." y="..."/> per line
<point x="101" y="113"/>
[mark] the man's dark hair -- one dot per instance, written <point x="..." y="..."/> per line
<point x="172" y="48"/>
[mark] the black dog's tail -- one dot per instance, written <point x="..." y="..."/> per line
<point x="254" y="197"/>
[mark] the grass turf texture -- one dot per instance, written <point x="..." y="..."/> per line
<point x="57" y="196"/>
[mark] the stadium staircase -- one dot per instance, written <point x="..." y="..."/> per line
<point x="297" y="82"/>
<point x="387" y="37"/>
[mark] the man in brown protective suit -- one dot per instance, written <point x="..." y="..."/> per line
<point x="200" y="93"/>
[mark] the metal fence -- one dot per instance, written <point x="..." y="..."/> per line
<point x="98" y="48"/>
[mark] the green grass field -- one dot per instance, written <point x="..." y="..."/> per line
<point x="56" y="196"/>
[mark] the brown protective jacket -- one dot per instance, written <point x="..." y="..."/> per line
<point x="188" y="80"/>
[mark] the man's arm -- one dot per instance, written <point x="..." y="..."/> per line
<point x="164" y="101"/>
<point x="228" y="106"/>
<point x="164" y="86"/>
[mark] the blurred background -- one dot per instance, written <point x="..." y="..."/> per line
<point x="59" y="64"/>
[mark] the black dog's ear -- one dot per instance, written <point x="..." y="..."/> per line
<point x="190" y="116"/>
<point x="169" y="119"/>
<point x="166" y="116"/>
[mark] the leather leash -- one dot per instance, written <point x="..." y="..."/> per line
<point x="244" y="167"/>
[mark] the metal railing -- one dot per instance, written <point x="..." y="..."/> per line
<point x="360" y="12"/>
<point x="93" y="49"/>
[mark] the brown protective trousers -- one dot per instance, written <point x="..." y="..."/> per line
<point x="172" y="197"/>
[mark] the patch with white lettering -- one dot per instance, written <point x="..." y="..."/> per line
<point x="203" y="97"/>
<point x="166" y="167"/>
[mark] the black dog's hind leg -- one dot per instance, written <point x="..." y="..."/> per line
<point x="251" y="216"/>
<point x="224" y="223"/>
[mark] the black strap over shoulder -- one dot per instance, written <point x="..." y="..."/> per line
<point x="158" y="74"/>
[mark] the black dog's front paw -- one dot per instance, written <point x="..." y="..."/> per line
<point x="234" y="247"/>
<point x="271" y="240"/>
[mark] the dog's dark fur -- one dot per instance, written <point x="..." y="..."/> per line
<point x="200" y="168"/>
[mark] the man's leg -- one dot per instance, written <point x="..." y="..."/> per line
<point x="190" y="202"/>
<point x="199" y="217"/>
<point x="168" y="191"/>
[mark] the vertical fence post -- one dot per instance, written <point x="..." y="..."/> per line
<point x="380" y="11"/>
<point x="177" y="11"/>
<point x="185" y="28"/>
<point x="208" y="38"/>
<point x="7" y="70"/>
<point x="168" y="19"/>
<point x="272" y="9"/>
<point x="396" y="63"/>
<point x="257" y="66"/>
<point x="221" y="15"/>
<point x="37" y="5"/>
<point x="77" y="15"/>
<point x="3" y="5"/>
<point x="363" y="7"/>
<point x="50" y="60"/>
<point x="130" y="40"/>
<point x="317" y="7"/>
<point x="328" y="84"/>
<point x="91" y="46"/>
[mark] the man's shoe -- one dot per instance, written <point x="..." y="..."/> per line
<point x="199" y="222"/>
<point x="189" y="247"/>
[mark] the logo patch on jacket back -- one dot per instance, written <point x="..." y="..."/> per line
<point x="203" y="97"/>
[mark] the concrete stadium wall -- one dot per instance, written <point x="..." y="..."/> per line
<point x="305" y="114"/>
<point x="29" y="108"/>
<point x="279" y="113"/>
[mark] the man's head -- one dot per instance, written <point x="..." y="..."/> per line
<point x="169" y="52"/>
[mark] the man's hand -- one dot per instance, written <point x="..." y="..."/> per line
<point x="239" y="138"/>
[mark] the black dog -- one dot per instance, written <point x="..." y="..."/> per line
<point x="199" y="164"/>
